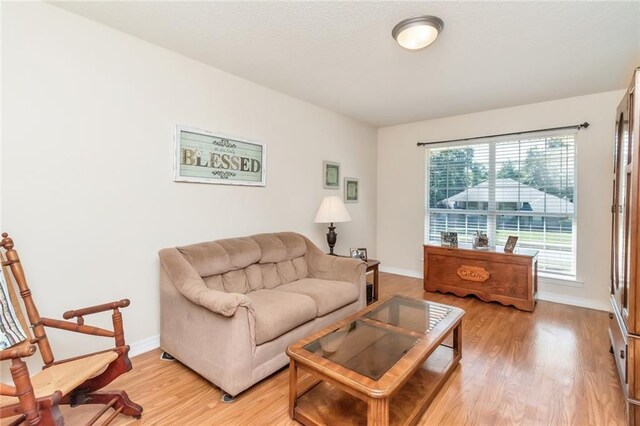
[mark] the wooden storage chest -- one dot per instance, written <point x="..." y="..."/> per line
<point x="491" y="275"/>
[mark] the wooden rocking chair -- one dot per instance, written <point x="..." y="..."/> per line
<point x="73" y="381"/>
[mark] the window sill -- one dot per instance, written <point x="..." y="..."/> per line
<point x="560" y="280"/>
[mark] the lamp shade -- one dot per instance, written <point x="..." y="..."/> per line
<point x="332" y="210"/>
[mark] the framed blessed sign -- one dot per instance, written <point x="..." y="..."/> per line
<point x="206" y="157"/>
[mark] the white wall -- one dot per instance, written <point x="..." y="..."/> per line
<point x="87" y="154"/>
<point x="400" y="230"/>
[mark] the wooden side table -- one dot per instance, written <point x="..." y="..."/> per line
<point x="372" y="266"/>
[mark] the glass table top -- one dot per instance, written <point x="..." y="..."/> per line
<point x="411" y="314"/>
<point x="370" y="348"/>
<point x="363" y="348"/>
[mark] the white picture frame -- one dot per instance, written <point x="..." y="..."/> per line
<point x="359" y="253"/>
<point x="211" y="157"/>
<point x="351" y="190"/>
<point x="330" y="175"/>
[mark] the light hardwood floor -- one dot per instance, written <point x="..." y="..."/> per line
<point x="549" y="367"/>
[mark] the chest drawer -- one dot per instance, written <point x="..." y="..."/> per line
<point x="619" y="347"/>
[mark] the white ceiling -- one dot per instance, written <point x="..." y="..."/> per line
<point x="340" y="55"/>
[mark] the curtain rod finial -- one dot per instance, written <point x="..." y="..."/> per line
<point x="585" y="124"/>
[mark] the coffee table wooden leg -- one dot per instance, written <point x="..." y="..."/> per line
<point x="378" y="412"/>
<point x="457" y="339"/>
<point x="293" y="387"/>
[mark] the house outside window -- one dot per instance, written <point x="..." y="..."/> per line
<point x="521" y="187"/>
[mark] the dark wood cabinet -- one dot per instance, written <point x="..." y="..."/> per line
<point x="491" y="275"/>
<point x="624" y="324"/>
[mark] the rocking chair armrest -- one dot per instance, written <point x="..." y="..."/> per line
<point x="95" y="309"/>
<point x="22" y="350"/>
<point x="78" y="328"/>
<point x="8" y="390"/>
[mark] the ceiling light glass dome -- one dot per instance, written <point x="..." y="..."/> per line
<point x="417" y="33"/>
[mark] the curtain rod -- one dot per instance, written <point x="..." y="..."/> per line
<point x="575" y="126"/>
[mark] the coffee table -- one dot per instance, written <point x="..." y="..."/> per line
<point x="384" y="364"/>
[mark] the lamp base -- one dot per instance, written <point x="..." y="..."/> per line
<point x="332" y="237"/>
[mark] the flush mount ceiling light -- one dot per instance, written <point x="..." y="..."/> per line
<point x="417" y="33"/>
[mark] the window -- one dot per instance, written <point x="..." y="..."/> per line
<point x="521" y="187"/>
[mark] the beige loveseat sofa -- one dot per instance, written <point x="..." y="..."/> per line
<point x="229" y="308"/>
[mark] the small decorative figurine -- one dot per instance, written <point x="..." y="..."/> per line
<point x="480" y="240"/>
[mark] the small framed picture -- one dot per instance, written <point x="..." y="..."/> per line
<point x="510" y="245"/>
<point x="359" y="253"/>
<point x="330" y="175"/>
<point x="449" y="239"/>
<point x="350" y="190"/>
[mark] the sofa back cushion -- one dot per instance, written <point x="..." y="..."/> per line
<point x="238" y="281"/>
<point x="218" y="257"/>
<point x="241" y="265"/>
<point x="282" y="259"/>
<point x="272" y="248"/>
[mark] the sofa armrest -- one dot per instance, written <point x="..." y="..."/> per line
<point x="328" y="267"/>
<point x="219" y="348"/>
<point x="191" y="285"/>
<point x="218" y="301"/>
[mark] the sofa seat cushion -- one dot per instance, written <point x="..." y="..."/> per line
<point x="328" y="295"/>
<point x="277" y="312"/>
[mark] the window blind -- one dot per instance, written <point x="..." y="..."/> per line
<point x="520" y="187"/>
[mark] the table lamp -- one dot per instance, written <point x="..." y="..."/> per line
<point x="332" y="210"/>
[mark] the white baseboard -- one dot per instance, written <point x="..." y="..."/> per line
<point x="574" y="301"/>
<point x="548" y="297"/>
<point x="400" y="271"/>
<point x="144" y="345"/>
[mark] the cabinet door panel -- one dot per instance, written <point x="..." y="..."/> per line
<point x="633" y="209"/>
<point x="619" y="209"/>
<point x="614" y="211"/>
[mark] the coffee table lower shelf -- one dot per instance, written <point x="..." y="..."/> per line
<point x="326" y="404"/>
